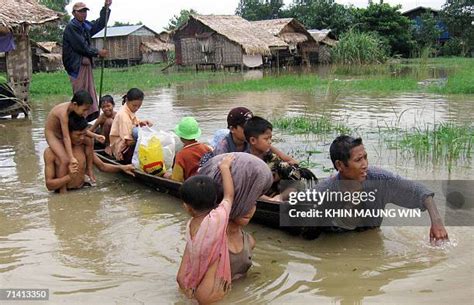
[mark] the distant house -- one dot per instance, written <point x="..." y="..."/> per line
<point x="300" y="42"/>
<point x="155" y="51"/>
<point x="164" y="36"/>
<point x="16" y="19"/>
<point x="326" y="40"/>
<point x="223" y="41"/>
<point x="123" y="43"/>
<point x="47" y="56"/>
<point x="415" y="15"/>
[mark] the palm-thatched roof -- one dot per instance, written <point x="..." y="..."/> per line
<point x="16" y="13"/>
<point x="156" y="46"/>
<point x="289" y="30"/>
<point x="324" y="36"/>
<point x="48" y="45"/>
<point x="242" y="32"/>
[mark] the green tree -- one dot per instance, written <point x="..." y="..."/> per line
<point x="426" y="32"/>
<point x="389" y="24"/>
<point x="321" y="14"/>
<point x="119" y="23"/>
<point x="458" y="16"/>
<point x="177" y="21"/>
<point x="52" y="32"/>
<point x="260" y="9"/>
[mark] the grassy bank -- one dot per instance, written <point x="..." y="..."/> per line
<point x="395" y="76"/>
<point x="116" y="81"/>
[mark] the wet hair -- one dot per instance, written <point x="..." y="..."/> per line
<point x="256" y="126"/>
<point x="82" y="97"/>
<point x="340" y="148"/>
<point x="199" y="192"/>
<point x="133" y="95"/>
<point x="77" y="122"/>
<point x="106" y="99"/>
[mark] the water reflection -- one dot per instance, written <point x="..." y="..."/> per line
<point x="341" y="269"/>
<point x="78" y="226"/>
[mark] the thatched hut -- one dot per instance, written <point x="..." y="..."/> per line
<point x="16" y="17"/>
<point x="223" y="41"/>
<point x="164" y="36"/>
<point x="155" y="51"/>
<point x="47" y="56"/>
<point x="123" y="43"/>
<point x="326" y="40"/>
<point x="301" y="43"/>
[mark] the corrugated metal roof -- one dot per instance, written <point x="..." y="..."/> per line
<point x="117" y="31"/>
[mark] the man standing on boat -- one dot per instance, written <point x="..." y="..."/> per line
<point x="78" y="52"/>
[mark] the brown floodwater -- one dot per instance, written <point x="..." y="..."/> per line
<point x="121" y="242"/>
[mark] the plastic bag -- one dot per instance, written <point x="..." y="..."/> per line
<point x="154" y="151"/>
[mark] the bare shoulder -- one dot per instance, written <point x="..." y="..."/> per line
<point x="252" y="241"/>
<point x="49" y="155"/>
<point x="61" y="110"/>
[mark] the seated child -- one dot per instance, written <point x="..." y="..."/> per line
<point x="104" y="122"/>
<point x="56" y="131"/>
<point x="122" y="137"/>
<point x="235" y="140"/>
<point x="186" y="162"/>
<point x="258" y="133"/>
<point x="252" y="178"/>
<point x="204" y="272"/>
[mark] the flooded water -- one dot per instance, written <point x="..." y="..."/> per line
<point x="121" y="242"/>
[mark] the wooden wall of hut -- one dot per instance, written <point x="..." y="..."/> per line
<point x="19" y="66"/>
<point x="196" y="44"/>
<point x="125" y="47"/>
<point x="309" y="52"/>
<point x="154" y="57"/>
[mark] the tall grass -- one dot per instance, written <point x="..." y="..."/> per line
<point x="460" y="82"/>
<point x="305" y="125"/>
<point x="444" y="142"/>
<point x="358" y="48"/>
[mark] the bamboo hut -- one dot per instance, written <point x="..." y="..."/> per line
<point x="47" y="56"/>
<point x="301" y="43"/>
<point x="155" y="51"/>
<point x="16" y="18"/>
<point x="326" y="40"/>
<point x="123" y="43"/>
<point x="223" y="41"/>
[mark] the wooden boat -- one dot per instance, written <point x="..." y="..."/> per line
<point x="10" y="104"/>
<point x="267" y="213"/>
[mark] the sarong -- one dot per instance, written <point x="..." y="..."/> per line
<point x="85" y="81"/>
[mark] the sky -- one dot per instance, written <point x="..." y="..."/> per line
<point x="156" y="13"/>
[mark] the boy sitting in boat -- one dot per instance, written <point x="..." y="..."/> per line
<point x="103" y="124"/>
<point x="74" y="179"/>
<point x="258" y="133"/>
<point x="186" y="162"/>
<point x="235" y="140"/>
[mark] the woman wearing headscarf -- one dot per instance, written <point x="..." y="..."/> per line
<point x="252" y="178"/>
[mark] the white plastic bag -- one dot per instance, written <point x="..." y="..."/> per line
<point x="154" y="151"/>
